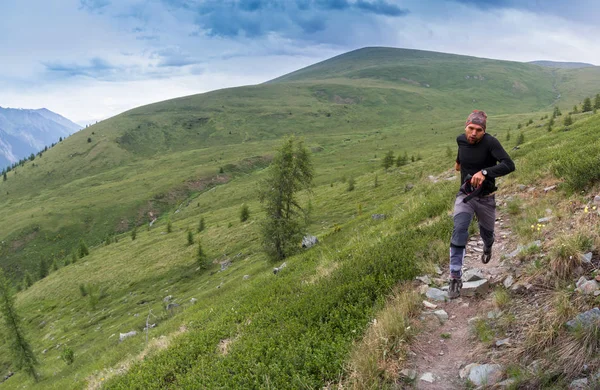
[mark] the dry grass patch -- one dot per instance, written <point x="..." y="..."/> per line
<point x="378" y="358"/>
<point x="95" y="381"/>
<point x="565" y="255"/>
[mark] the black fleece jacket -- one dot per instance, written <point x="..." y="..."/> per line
<point x="487" y="154"/>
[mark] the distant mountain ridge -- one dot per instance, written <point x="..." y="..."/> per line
<point x="562" y="65"/>
<point x="26" y="131"/>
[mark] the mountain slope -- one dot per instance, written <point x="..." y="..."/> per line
<point x="247" y="326"/>
<point x="108" y="177"/>
<point x="23" y="132"/>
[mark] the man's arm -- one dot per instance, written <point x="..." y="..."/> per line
<point x="457" y="166"/>
<point x="505" y="163"/>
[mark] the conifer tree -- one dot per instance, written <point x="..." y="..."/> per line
<point x="43" y="268"/>
<point x="402" y="159"/>
<point x="587" y="105"/>
<point x="290" y="172"/>
<point x="27" y="280"/>
<point x="20" y="348"/>
<point x="201" y="225"/>
<point x="597" y="101"/>
<point x="520" y="139"/>
<point x="190" y="238"/>
<point x="388" y="160"/>
<point x="575" y="109"/>
<point x="83" y="249"/>
<point x="568" y="120"/>
<point x="134" y="233"/>
<point x="201" y="257"/>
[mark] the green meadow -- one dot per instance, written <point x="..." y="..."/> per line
<point x="203" y="156"/>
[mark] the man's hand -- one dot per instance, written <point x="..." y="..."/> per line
<point x="456" y="166"/>
<point x="477" y="179"/>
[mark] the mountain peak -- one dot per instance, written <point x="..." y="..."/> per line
<point x="25" y="131"/>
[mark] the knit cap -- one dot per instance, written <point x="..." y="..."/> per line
<point x="478" y="118"/>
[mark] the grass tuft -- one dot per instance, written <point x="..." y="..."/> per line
<point x="377" y="359"/>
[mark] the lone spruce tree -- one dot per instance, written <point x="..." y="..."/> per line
<point x="22" y="353"/>
<point x="290" y="172"/>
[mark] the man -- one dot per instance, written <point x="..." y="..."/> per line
<point x="481" y="159"/>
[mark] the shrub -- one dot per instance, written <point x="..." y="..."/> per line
<point x="244" y="213"/>
<point x="169" y="226"/>
<point x="201" y="225"/>
<point x="190" y="238"/>
<point x="350" y="184"/>
<point x="579" y="169"/>
<point x="67" y="355"/>
<point x="134" y="234"/>
<point x="83" y="289"/>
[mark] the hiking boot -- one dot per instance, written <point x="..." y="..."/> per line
<point x="487" y="255"/>
<point x="454" y="288"/>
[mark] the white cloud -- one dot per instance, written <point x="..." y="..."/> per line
<point x="91" y="65"/>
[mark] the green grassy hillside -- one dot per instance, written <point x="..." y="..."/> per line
<point x="201" y="156"/>
<point x="108" y="177"/>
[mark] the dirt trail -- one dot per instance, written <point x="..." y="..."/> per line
<point x="444" y="356"/>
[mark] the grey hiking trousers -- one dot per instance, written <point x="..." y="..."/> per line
<point x="485" y="210"/>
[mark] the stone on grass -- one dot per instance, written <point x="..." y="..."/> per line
<point x="225" y="265"/>
<point x="521" y="187"/>
<point x="502" y="342"/>
<point x="429" y="305"/>
<point x="309" y="241"/>
<point x="378" y="216"/>
<point x="427" y="377"/>
<point x="193" y="300"/>
<point x="517" y="288"/>
<point x="472" y="275"/>
<point x="485" y="374"/>
<point x="508" y="281"/>
<point x="587" y="258"/>
<point x="544" y="220"/>
<point x="581" y="281"/>
<point x="167" y="298"/>
<point x="424" y="279"/>
<point x="441" y="315"/>
<point x="478" y="287"/>
<point x="409" y="374"/>
<point x="585" y="319"/>
<point x="123" y="336"/>
<point x="464" y="372"/>
<point x="437" y="294"/>
<point x="549" y="188"/>
<point x="579" y="384"/>
<point x="589" y="287"/>
<point x="277" y="269"/>
<point x="246" y="277"/>
<point x="438" y="270"/>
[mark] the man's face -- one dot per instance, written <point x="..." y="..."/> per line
<point x="474" y="133"/>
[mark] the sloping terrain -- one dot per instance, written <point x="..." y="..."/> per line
<point x="201" y="157"/>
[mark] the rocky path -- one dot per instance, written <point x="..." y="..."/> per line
<point x="443" y="354"/>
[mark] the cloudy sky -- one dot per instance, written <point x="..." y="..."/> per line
<point x="92" y="59"/>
